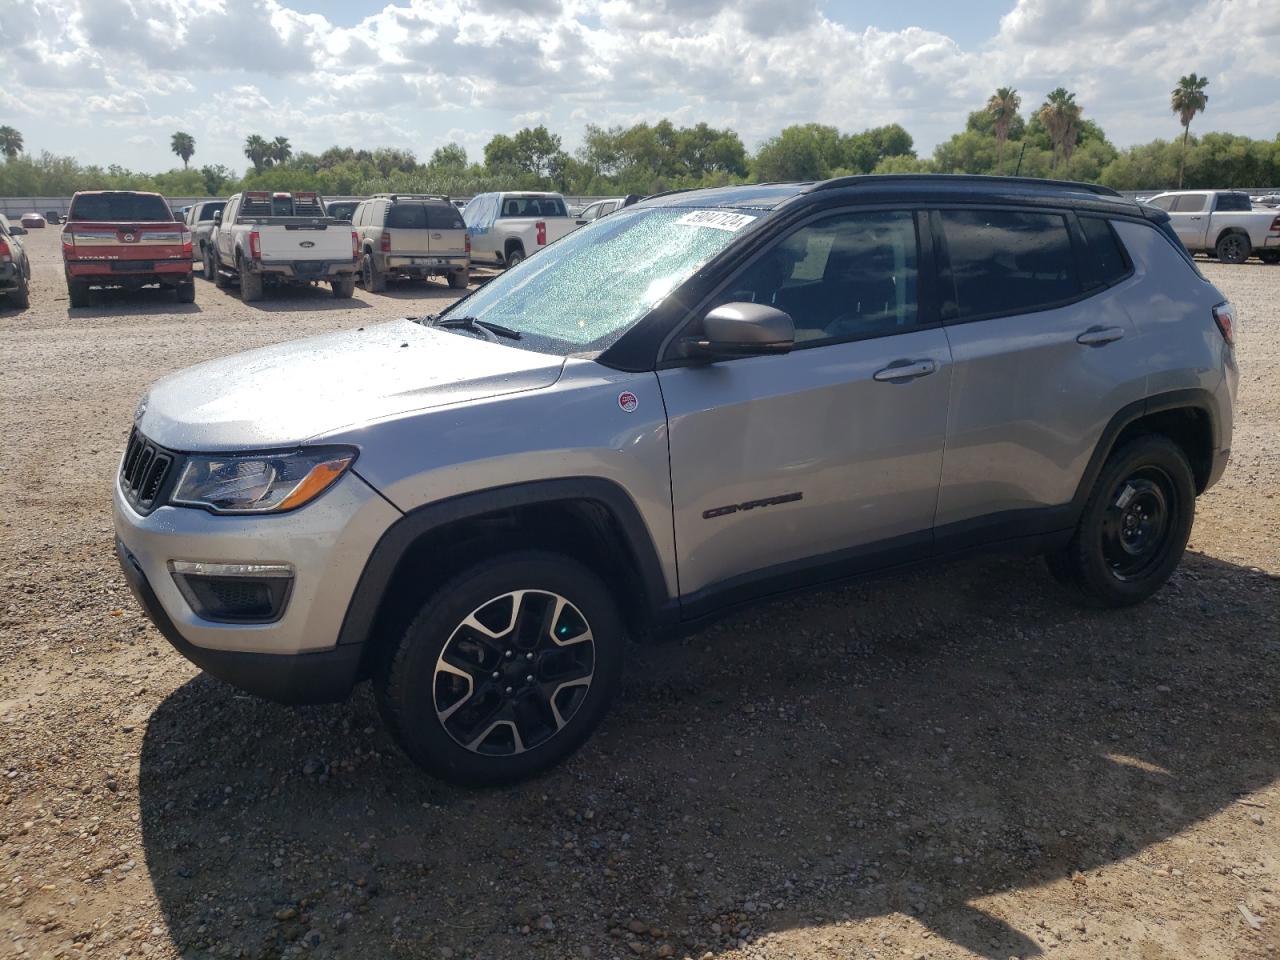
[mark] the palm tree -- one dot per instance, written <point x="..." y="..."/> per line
<point x="1188" y="99"/>
<point x="1060" y="115"/>
<point x="258" y="150"/>
<point x="10" y="142"/>
<point x="1003" y="107"/>
<point x="184" y="145"/>
<point x="281" y="150"/>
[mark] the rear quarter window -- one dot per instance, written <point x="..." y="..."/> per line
<point x="1108" y="261"/>
<point x="1005" y="262"/>
<point x="1233" y="203"/>
<point x="407" y="216"/>
<point x="444" y="216"/>
<point x="105" y="207"/>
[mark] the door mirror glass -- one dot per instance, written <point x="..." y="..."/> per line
<point x="743" y="330"/>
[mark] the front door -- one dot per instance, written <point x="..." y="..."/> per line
<point x="797" y="468"/>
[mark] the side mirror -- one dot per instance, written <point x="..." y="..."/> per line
<point x="743" y="330"/>
<point x="217" y="218"/>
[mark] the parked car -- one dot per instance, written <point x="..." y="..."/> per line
<point x="284" y="238"/>
<point x="15" y="268"/>
<point x="1223" y="223"/>
<point x="126" y="239"/>
<point x="199" y="220"/>
<point x="52" y="217"/>
<point x="507" y="227"/>
<point x="32" y="221"/>
<point x="710" y="398"/>
<point x="601" y="208"/>
<point x="341" y="209"/>
<point x="414" y="237"/>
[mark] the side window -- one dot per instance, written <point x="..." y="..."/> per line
<point x="230" y="211"/>
<point x="1164" y="203"/>
<point x="1233" y="203"/>
<point x="1109" y="262"/>
<point x="1190" y="203"/>
<point x="850" y="276"/>
<point x="1006" y="262"/>
<point x="356" y="215"/>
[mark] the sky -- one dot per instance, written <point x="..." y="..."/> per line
<point x="108" y="81"/>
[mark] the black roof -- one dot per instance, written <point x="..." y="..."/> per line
<point x="911" y="187"/>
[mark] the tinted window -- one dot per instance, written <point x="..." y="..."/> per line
<point x="407" y="216"/>
<point x="1191" y="203"/>
<point x="533" y="207"/>
<point x="1109" y="262"/>
<point x="207" y="211"/>
<point x="1235" y="202"/>
<point x="1164" y="203"/>
<point x="852" y="275"/>
<point x="1005" y="262"/>
<point x="444" y="216"/>
<point x="119" y="206"/>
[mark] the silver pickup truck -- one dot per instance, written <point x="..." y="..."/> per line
<point x="1223" y="223"/>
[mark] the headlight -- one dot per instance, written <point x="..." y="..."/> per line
<point x="260" y="483"/>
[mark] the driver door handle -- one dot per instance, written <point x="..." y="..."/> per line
<point x="1099" y="336"/>
<point x="901" y="371"/>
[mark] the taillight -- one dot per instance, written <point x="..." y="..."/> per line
<point x="1224" y="315"/>
<point x="4" y="248"/>
<point x="355" y="245"/>
<point x="384" y="242"/>
<point x="186" y="244"/>
<point x="68" y="241"/>
<point x="467" y="244"/>
<point x="1275" y="225"/>
<point x="255" y="245"/>
<point x="542" y="233"/>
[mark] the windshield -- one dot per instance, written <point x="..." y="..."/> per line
<point x="107" y="207"/>
<point x="582" y="293"/>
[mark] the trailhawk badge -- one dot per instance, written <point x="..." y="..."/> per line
<point x="628" y="401"/>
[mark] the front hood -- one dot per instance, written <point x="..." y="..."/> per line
<point x="283" y="395"/>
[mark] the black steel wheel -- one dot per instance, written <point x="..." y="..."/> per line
<point x="506" y="669"/>
<point x="1233" y="248"/>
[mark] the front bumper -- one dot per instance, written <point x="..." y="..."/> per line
<point x="326" y="543"/>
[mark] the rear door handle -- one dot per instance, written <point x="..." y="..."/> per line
<point x="900" y="371"/>
<point x="1099" y="336"/>
<point x="437" y="236"/>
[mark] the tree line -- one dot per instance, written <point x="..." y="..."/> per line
<point x="1055" y="139"/>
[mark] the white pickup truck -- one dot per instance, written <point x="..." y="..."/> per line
<point x="286" y="238"/>
<point x="507" y="227"/>
<point x="1223" y="223"/>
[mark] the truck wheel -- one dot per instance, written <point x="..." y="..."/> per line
<point x="251" y="285"/>
<point x="514" y="256"/>
<point x="505" y="670"/>
<point x="185" y="292"/>
<point x="373" y="280"/>
<point x="343" y="287"/>
<point x="1233" y="248"/>
<point x="78" y="293"/>
<point x="1134" y="527"/>
<point x="210" y="268"/>
<point x="219" y="280"/>
<point x="460" y="279"/>
<point x="1269" y="256"/>
<point x="21" y="298"/>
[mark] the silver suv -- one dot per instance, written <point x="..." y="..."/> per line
<point x="705" y="399"/>
<point x="412" y="236"/>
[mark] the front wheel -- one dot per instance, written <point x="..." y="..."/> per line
<point x="1134" y="527"/>
<point x="1233" y="248"/>
<point x="505" y="670"/>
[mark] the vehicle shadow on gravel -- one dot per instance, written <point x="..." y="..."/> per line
<point x="896" y="749"/>
<point x="109" y="303"/>
<point x="307" y="299"/>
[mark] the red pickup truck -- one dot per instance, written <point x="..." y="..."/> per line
<point x="122" y="238"/>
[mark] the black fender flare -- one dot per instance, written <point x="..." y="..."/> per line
<point x="399" y="538"/>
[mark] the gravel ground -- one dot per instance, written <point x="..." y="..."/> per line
<point x="954" y="763"/>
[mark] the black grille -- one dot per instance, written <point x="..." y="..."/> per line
<point x="144" y="471"/>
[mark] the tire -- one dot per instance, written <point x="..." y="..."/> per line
<point x="210" y="268"/>
<point x="78" y="293"/>
<point x="1233" y="248"/>
<point x="475" y="718"/>
<point x="1269" y="256"/>
<point x="514" y="256"/>
<point x="460" y="279"/>
<point x="219" y="280"/>
<point x="251" y="285"/>
<point x="1134" y="527"/>
<point x="373" y="280"/>
<point x="344" y="287"/>
<point x="21" y="297"/>
<point x="185" y="292"/>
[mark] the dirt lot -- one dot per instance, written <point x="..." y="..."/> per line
<point x="958" y="763"/>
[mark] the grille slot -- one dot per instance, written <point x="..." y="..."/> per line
<point x="143" y="471"/>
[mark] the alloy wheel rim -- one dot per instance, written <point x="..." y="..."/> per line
<point x="1138" y="523"/>
<point x="514" y="673"/>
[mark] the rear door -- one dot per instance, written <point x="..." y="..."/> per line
<point x="822" y="461"/>
<point x="1043" y="356"/>
<point x="406" y="226"/>
<point x="447" y="234"/>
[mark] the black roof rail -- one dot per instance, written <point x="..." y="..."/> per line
<point x="866" y="179"/>
<point x="668" y="193"/>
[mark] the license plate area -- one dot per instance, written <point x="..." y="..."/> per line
<point x="132" y="266"/>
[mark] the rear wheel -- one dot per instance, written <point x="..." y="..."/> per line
<point x="1269" y="256"/>
<point x="78" y="293"/>
<point x="1134" y="527"/>
<point x="344" y="287"/>
<point x="460" y="279"/>
<point x="251" y="285"/>
<point x="21" y="297"/>
<point x="505" y="670"/>
<point x="374" y="280"/>
<point x="514" y="256"/>
<point x="185" y="292"/>
<point x="1233" y="248"/>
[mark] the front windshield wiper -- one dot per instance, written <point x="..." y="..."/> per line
<point x="477" y="326"/>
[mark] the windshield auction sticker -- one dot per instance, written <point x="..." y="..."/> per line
<point x="716" y="219"/>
